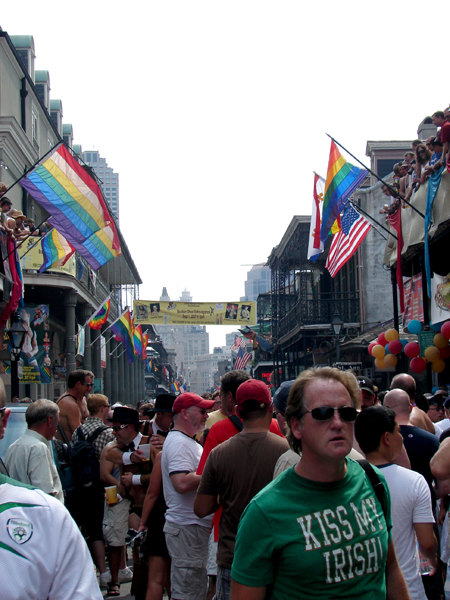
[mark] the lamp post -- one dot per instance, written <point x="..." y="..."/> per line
<point x="336" y="326"/>
<point x="16" y="334"/>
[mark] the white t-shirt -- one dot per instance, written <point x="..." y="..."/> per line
<point x="42" y="553"/>
<point x="410" y="503"/>
<point x="180" y="454"/>
<point x="444" y="424"/>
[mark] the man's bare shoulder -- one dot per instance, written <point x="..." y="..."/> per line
<point x="68" y="403"/>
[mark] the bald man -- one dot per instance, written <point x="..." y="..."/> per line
<point x="418" y="417"/>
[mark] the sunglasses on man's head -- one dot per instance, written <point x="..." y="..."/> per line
<point x="325" y="413"/>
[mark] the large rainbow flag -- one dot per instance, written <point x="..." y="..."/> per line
<point x="55" y="249"/>
<point x="342" y="180"/>
<point x="138" y="341"/>
<point x="76" y="205"/>
<point x="100" y="316"/>
<point x="123" y="330"/>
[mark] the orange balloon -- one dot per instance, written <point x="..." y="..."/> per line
<point x="390" y="360"/>
<point x="440" y="341"/>
<point x="379" y="363"/>
<point x="432" y="353"/>
<point x="438" y="366"/>
<point x="391" y="335"/>
<point x="378" y="351"/>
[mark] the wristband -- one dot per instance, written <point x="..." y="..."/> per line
<point x="136" y="480"/>
<point x="126" y="458"/>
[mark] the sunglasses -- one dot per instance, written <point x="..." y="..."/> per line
<point x="326" y="413"/>
<point x="117" y="428"/>
<point x="89" y="384"/>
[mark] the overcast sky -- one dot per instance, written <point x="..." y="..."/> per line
<point x="214" y="115"/>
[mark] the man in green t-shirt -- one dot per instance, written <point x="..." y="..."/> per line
<point x="318" y="530"/>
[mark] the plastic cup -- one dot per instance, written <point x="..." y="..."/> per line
<point x="146" y="450"/>
<point x="111" y="494"/>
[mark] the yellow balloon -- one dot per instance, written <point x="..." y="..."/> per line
<point x="390" y="360"/>
<point x="438" y="366"/>
<point x="379" y="363"/>
<point x="440" y="341"/>
<point x="432" y="353"/>
<point x="391" y="335"/>
<point x="378" y="351"/>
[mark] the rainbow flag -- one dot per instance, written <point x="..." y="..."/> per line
<point x="100" y="316"/>
<point x="75" y="202"/>
<point x="342" y="180"/>
<point x="138" y="341"/>
<point x="123" y="330"/>
<point x="144" y="346"/>
<point x="175" y="387"/>
<point x="56" y="250"/>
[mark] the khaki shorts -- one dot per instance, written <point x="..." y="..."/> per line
<point x="115" y="523"/>
<point x="188" y="549"/>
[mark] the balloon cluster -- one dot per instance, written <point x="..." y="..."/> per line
<point x="388" y="346"/>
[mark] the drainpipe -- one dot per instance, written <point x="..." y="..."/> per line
<point x="23" y="95"/>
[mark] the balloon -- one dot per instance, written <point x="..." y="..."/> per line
<point x="372" y="345"/>
<point x="445" y="330"/>
<point x="432" y="353"/>
<point x="438" y="366"/>
<point x="378" y="351"/>
<point x="390" y="360"/>
<point x="379" y="363"/>
<point x="395" y="347"/>
<point x="391" y="335"/>
<point x="440" y="341"/>
<point x="382" y="339"/>
<point x="436" y="326"/>
<point x="434" y="390"/>
<point x="404" y="342"/>
<point x="444" y="352"/>
<point x="412" y="349"/>
<point x="417" y="365"/>
<point x="386" y="348"/>
<point x="414" y="326"/>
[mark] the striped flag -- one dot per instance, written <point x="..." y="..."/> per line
<point x="138" y="341"/>
<point x="123" y="330"/>
<point x="354" y="229"/>
<point x="55" y="249"/>
<point x="238" y="343"/>
<point x="100" y="315"/>
<point x="242" y="359"/>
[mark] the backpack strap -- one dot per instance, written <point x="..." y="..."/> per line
<point x="236" y="422"/>
<point x="63" y="435"/>
<point x="94" y="435"/>
<point x="376" y="483"/>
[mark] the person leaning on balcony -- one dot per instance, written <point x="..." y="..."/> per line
<point x="5" y="207"/>
<point x="440" y="120"/>
<point x="16" y="220"/>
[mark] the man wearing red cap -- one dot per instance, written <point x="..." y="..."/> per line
<point x="186" y="534"/>
<point x="237" y="470"/>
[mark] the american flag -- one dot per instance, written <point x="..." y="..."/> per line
<point x="242" y="359"/>
<point x="238" y="343"/>
<point x="354" y="229"/>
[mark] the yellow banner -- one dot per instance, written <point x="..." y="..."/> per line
<point x="34" y="259"/>
<point x="154" y="312"/>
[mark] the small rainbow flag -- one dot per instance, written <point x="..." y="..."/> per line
<point x="123" y="330"/>
<point x="100" y="316"/>
<point x="144" y="346"/>
<point x="175" y="387"/>
<point x="138" y="340"/>
<point x="342" y="180"/>
<point x="56" y="250"/>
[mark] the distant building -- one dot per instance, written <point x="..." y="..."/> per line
<point x="164" y="296"/>
<point x="206" y="368"/>
<point x="109" y="181"/>
<point x="258" y="282"/>
<point x="185" y="296"/>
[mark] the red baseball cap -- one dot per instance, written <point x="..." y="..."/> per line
<point x="253" y="389"/>
<point x="187" y="399"/>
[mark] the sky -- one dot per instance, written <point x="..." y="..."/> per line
<point x="215" y="115"/>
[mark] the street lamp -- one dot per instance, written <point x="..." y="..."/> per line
<point x="16" y="335"/>
<point x="336" y="326"/>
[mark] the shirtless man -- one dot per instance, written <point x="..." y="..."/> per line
<point x="72" y="404"/>
<point x="418" y="417"/>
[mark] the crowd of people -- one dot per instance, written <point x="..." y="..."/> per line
<point x="14" y="223"/>
<point x="328" y="487"/>
<point x="424" y="159"/>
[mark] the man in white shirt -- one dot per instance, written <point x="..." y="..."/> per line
<point x="29" y="459"/>
<point x="186" y="534"/>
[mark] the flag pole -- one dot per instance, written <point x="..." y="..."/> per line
<point x="31" y="247"/>
<point x="109" y="326"/>
<point x="396" y="194"/>
<point x="25" y="173"/>
<point x="359" y="209"/>
<point x="18" y="244"/>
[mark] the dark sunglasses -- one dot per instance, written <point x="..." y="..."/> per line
<point x="325" y="413"/>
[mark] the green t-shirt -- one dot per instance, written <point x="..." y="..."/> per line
<point x="304" y="539"/>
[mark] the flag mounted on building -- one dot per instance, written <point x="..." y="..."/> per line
<point x="238" y="343"/>
<point x="100" y="316"/>
<point x="56" y="250"/>
<point x="138" y="341"/>
<point x="122" y="328"/>
<point x="315" y="246"/>
<point x="144" y="345"/>
<point x="342" y="180"/>
<point x="354" y="228"/>
<point x="242" y="359"/>
<point x="76" y="205"/>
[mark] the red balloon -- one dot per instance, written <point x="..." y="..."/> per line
<point x="382" y="339"/>
<point x="444" y="352"/>
<point x="417" y="365"/>
<point x="445" y="330"/>
<point x="372" y="345"/>
<point x="395" y="347"/>
<point x="412" y="349"/>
